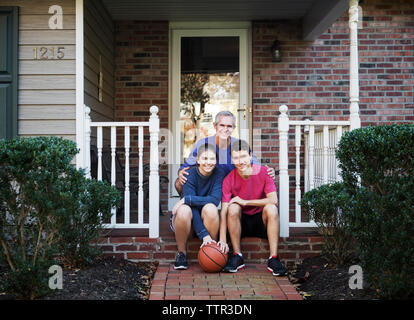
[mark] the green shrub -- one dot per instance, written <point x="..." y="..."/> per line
<point x="326" y="206"/>
<point x="40" y="195"/>
<point x="94" y="200"/>
<point x="377" y="166"/>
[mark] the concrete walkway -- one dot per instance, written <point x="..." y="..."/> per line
<point x="253" y="282"/>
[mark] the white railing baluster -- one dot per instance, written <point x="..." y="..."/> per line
<point x="311" y="157"/>
<point x="126" y="192"/>
<point x="305" y="131"/>
<point x="88" y="142"/>
<point x="338" y="138"/>
<point x="297" y="191"/>
<point x="113" y="168"/>
<point x="325" y="154"/>
<point x="99" y="146"/>
<point x="140" y="175"/>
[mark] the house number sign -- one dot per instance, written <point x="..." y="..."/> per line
<point x="55" y="22"/>
<point x="43" y="53"/>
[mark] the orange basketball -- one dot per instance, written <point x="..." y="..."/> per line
<point x="211" y="258"/>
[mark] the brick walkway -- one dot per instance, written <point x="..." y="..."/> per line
<point x="253" y="282"/>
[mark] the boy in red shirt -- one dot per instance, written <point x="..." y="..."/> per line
<point x="249" y="208"/>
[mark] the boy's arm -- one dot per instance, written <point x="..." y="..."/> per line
<point x="223" y="227"/>
<point x="214" y="196"/>
<point x="271" y="198"/>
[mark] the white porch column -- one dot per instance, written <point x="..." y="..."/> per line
<point x="154" y="180"/>
<point x="283" y="128"/>
<point x="87" y="148"/>
<point x="80" y="111"/>
<point x="353" y="66"/>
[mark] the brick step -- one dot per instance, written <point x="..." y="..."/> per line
<point x="292" y="250"/>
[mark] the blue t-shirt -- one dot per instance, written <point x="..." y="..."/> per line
<point x="200" y="190"/>
<point x="223" y="155"/>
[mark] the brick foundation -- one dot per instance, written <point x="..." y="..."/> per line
<point x="291" y="250"/>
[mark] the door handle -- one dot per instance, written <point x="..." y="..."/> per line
<point x="244" y="111"/>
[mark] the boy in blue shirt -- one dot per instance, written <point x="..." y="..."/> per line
<point x="201" y="195"/>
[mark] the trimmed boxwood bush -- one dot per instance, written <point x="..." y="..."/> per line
<point x="326" y="205"/>
<point x="377" y="166"/>
<point x="46" y="209"/>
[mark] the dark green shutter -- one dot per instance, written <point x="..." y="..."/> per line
<point x="8" y="71"/>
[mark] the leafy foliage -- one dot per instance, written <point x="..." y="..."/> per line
<point x="378" y="173"/>
<point x="42" y="196"/>
<point x="326" y="205"/>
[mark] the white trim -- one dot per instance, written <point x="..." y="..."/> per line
<point x="80" y="113"/>
<point x="120" y="124"/>
<point x="176" y="25"/>
<point x="310" y="224"/>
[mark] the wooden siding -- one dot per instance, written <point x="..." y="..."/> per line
<point x="99" y="42"/>
<point x="46" y="87"/>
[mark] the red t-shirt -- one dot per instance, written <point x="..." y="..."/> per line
<point x="255" y="187"/>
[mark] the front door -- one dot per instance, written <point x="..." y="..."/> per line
<point x="209" y="74"/>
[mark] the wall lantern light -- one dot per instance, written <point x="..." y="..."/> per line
<point x="276" y="52"/>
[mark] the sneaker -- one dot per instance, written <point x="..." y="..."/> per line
<point x="276" y="267"/>
<point x="234" y="264"/>
<point x="180" y="261"/>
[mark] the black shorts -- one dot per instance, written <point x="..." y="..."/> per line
<point x="252" y="226"/>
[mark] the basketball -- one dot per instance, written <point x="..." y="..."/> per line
<point x="211" y="258"/>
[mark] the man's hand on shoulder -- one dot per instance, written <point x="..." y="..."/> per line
<point x="271" y="172"/>
<point x="181" y="175"/>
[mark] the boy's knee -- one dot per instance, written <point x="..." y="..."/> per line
<point x="270" y="210"/>
<point x="234" y="210"/>
<point x="184" y="213"/>
<point x="210" y="212"/>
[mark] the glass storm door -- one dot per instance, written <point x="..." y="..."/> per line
<point x="209" y="75"/>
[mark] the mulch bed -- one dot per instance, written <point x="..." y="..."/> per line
<point x="104" y="279"/>
<point x="107" y="279"/>
<point x="317" y="280"/>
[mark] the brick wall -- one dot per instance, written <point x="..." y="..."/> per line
<point x="141" y="75"/>
<point x="313" y="77"/>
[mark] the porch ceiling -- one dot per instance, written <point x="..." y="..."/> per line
<point x="315" y="14"/>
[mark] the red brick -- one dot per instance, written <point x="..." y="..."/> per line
<point x="120" y="240"/>
<point x="169" y="256"/>
<point x="126" y="248"/>
<point x="145" y="240"/>
<point x="114" y="255"/>
<point x="138" y="255"/>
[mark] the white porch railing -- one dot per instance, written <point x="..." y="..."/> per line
<point x="154" y="186"/>
<point x="321" y="165"/>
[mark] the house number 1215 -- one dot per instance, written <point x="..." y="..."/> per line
<point x="44" y="53"/>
